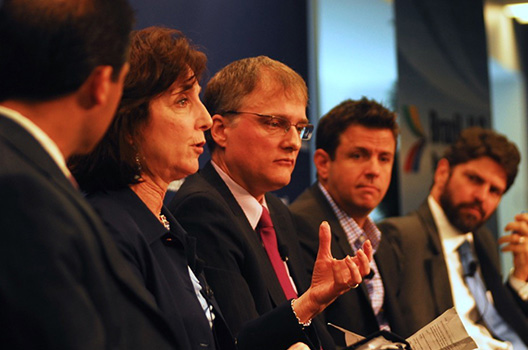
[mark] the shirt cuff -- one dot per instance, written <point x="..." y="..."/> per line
<point x="520" y="286"/>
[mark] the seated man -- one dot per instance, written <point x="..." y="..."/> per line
<point x="246" y="235"/>
<point x="355" y="147"/>
<point x="451" y="259"/>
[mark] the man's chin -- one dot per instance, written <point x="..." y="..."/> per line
<point x="468" y="223"/>
<point x="279" y="183"/>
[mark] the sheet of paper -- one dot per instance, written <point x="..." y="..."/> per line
<point x="350" y="337"/>
<point x="445" y="332"/>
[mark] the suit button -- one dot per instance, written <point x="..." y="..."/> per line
<point x="208" y="291"/>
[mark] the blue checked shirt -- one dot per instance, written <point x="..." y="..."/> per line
<point x="356" y="236"/>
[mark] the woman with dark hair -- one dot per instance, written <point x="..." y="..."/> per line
<point x="156" y="138"/>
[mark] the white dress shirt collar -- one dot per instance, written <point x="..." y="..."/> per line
<point x="251" y="207"/>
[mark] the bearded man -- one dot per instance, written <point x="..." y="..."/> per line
<point x="451" y="259"/>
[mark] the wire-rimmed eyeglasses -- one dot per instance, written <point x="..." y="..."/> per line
<point x="274" y="124"/>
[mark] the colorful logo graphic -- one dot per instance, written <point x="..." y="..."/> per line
<point x="414" y="155"/>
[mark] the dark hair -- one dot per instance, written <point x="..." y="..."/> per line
<point x="229" y="86"/>
<point x="476" y="142"/>
<point x="159" y="57"/>
<point x="364" y="112"/>
<point x="50" y="47"/>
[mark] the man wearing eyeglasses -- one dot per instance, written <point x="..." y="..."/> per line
<point x="355" y="148"/>
<point x="245" y="235"/>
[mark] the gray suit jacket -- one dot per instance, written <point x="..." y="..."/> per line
<point x="352" y="310"/>
<point x="426" y="292"/>
<point x="63" y="283"/>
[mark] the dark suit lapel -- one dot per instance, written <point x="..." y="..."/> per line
<point x="337" y="231"/>
<point x="268" y="273"/>
<point x="435" y="265"/>
<point x="389" y="265"/>
<point x="490" y="273"/>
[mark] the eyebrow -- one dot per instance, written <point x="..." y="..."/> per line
<point x="187" y="85"/>
<point x="303" y="121"/>
<point x="481" y="179"/>
<point x="368" y="150"/>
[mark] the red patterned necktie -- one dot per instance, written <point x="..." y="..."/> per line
<point x="269" y="240"/>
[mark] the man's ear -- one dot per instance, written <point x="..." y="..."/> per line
<point x="218" y="130"/>
<point x="441" y="174"/>
<point x="98" y="87"/>
<point x="322" y="164"/>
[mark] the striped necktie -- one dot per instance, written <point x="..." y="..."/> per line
<point x="494" y="322"/>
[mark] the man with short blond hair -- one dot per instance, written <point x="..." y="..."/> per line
<point x="246" y="235"/>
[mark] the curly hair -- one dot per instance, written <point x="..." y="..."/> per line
<point x="476" y="142"/>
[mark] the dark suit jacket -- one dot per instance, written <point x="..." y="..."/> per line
<point x="237" y="266"/>
<point x="160" y="258"/>
<point x="63" y="282"/>
<point x="352" y="310"/>
<point x="426" y="292"/>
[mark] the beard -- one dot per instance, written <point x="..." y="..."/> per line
<point x="465" y="222"/>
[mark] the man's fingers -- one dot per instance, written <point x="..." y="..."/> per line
<point x="514" y="239"/>
<point x="515" y="243"/>
<point x="325" y="237"/>
<point x="522" y="217"/>
<point x="355" y="274"/>
<point x="363" y="262"/>
<point x="520" y="227"/>
<point x="367" y="248"/>
<point x="346" y="273"/>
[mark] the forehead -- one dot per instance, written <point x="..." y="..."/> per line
<point x="184" y="83"/>
<point x="359" y="136"/>
<point x="274" y="100"/>
<point x="486" y="168"/>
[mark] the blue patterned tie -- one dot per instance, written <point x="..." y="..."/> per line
<point x="494" y="322"/>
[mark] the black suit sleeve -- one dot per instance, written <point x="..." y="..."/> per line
<point x="45" y="302"/>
